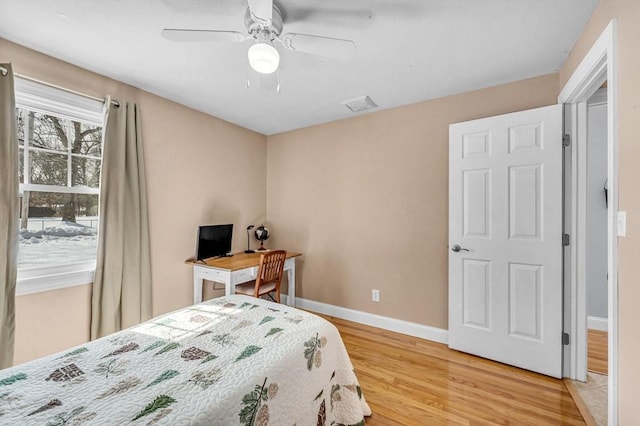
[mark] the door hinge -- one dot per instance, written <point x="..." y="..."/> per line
<point x="565" y="239"/>
<point x="565" y="339"/>
<point x="566" y="140"/>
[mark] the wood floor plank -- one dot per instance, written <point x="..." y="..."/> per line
<point x="597" y="356"/>
<point x="411" y="381"/>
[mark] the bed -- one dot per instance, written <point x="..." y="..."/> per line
<point x="234" y="360"/>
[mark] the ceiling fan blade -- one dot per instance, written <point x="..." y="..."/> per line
<point x="262" y="11"/>
<point x="316" y="45"/>
<point x="202" y="35"/>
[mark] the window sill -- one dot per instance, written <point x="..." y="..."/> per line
<point x="36" y="280"/>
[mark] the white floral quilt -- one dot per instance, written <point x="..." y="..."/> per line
<point x="234" y="360"/>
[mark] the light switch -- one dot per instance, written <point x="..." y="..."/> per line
<point x="622" y="224"/>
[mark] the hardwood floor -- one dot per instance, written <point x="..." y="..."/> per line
<point x="597" y="355"/>
<point x="591" y="397"/>
<point x="410" y="381"/>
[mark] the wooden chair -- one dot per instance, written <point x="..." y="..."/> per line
<point x="269" y="276"/>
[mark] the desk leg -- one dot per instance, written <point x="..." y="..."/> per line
<point x="229" y="286"/>
<point x="291" y="296"/>
<point x="197" y="287"/>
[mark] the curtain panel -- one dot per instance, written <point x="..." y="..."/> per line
<point x="9" y="214"/>
<point x="122" y="285"/>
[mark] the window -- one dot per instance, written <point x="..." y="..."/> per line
<point x="60" y="145"/>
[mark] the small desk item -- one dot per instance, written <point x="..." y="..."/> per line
<point x="237" y="269"/>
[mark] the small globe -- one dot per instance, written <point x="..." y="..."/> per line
<point x="262" y="233"/>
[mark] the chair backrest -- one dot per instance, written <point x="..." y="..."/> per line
<point x="271" y="269"/>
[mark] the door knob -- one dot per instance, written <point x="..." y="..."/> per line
<point x="456" y="248"/>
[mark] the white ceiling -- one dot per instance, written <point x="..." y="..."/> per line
<point x="408" y="50"/>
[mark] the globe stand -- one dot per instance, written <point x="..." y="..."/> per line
<point x="261" y="246"/>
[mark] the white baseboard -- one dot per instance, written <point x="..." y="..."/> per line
<point x="597" y="323"/>
<point x="386" y="323"/>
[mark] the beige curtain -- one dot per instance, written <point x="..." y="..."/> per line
<point x="122" y="285"/>
<point x="9" y="216"/>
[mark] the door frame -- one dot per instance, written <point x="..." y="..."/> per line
<point x="599" y="65"/>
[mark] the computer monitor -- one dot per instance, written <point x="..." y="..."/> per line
<point x="214" y="240"/>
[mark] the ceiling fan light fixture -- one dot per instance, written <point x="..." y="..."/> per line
<point x="263" y="58"/>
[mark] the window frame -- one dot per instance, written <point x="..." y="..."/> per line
<point x="46" y="278"/>
<point x="41" y="98"/>
<point x="27" y="148"/>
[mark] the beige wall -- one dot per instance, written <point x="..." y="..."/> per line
<point x="366" y="200"/>
<point x="200" y="170"/>
<point x="51" y="321"/>
<point x="627" y="13"/>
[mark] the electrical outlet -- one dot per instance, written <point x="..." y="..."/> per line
<point x="375" y="295"/>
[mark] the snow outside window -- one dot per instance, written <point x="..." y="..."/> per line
<point x="60" y="145"/>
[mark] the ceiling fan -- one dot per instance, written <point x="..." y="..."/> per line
<point x="264" y="22"/>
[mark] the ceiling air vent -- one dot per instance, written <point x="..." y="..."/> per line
<point x="360" y="103"/>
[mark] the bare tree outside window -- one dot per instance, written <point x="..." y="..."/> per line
<point x="60" y="161"/>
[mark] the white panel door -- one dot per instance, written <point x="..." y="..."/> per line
<point x="505" y="238"/>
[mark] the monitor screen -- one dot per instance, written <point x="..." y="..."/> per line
<point x="214" y="240"/>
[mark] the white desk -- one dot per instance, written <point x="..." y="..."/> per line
<point x="238" y="269"/>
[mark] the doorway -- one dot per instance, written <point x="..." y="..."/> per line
<point x="596" y="233"/>
<point x="592" y="392"/>
<point x="598" y="67"/>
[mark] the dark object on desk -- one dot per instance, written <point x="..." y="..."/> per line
<point x="248" y="250"/>
<point x="262" y="234"/>
<point x="214" y="240"/>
